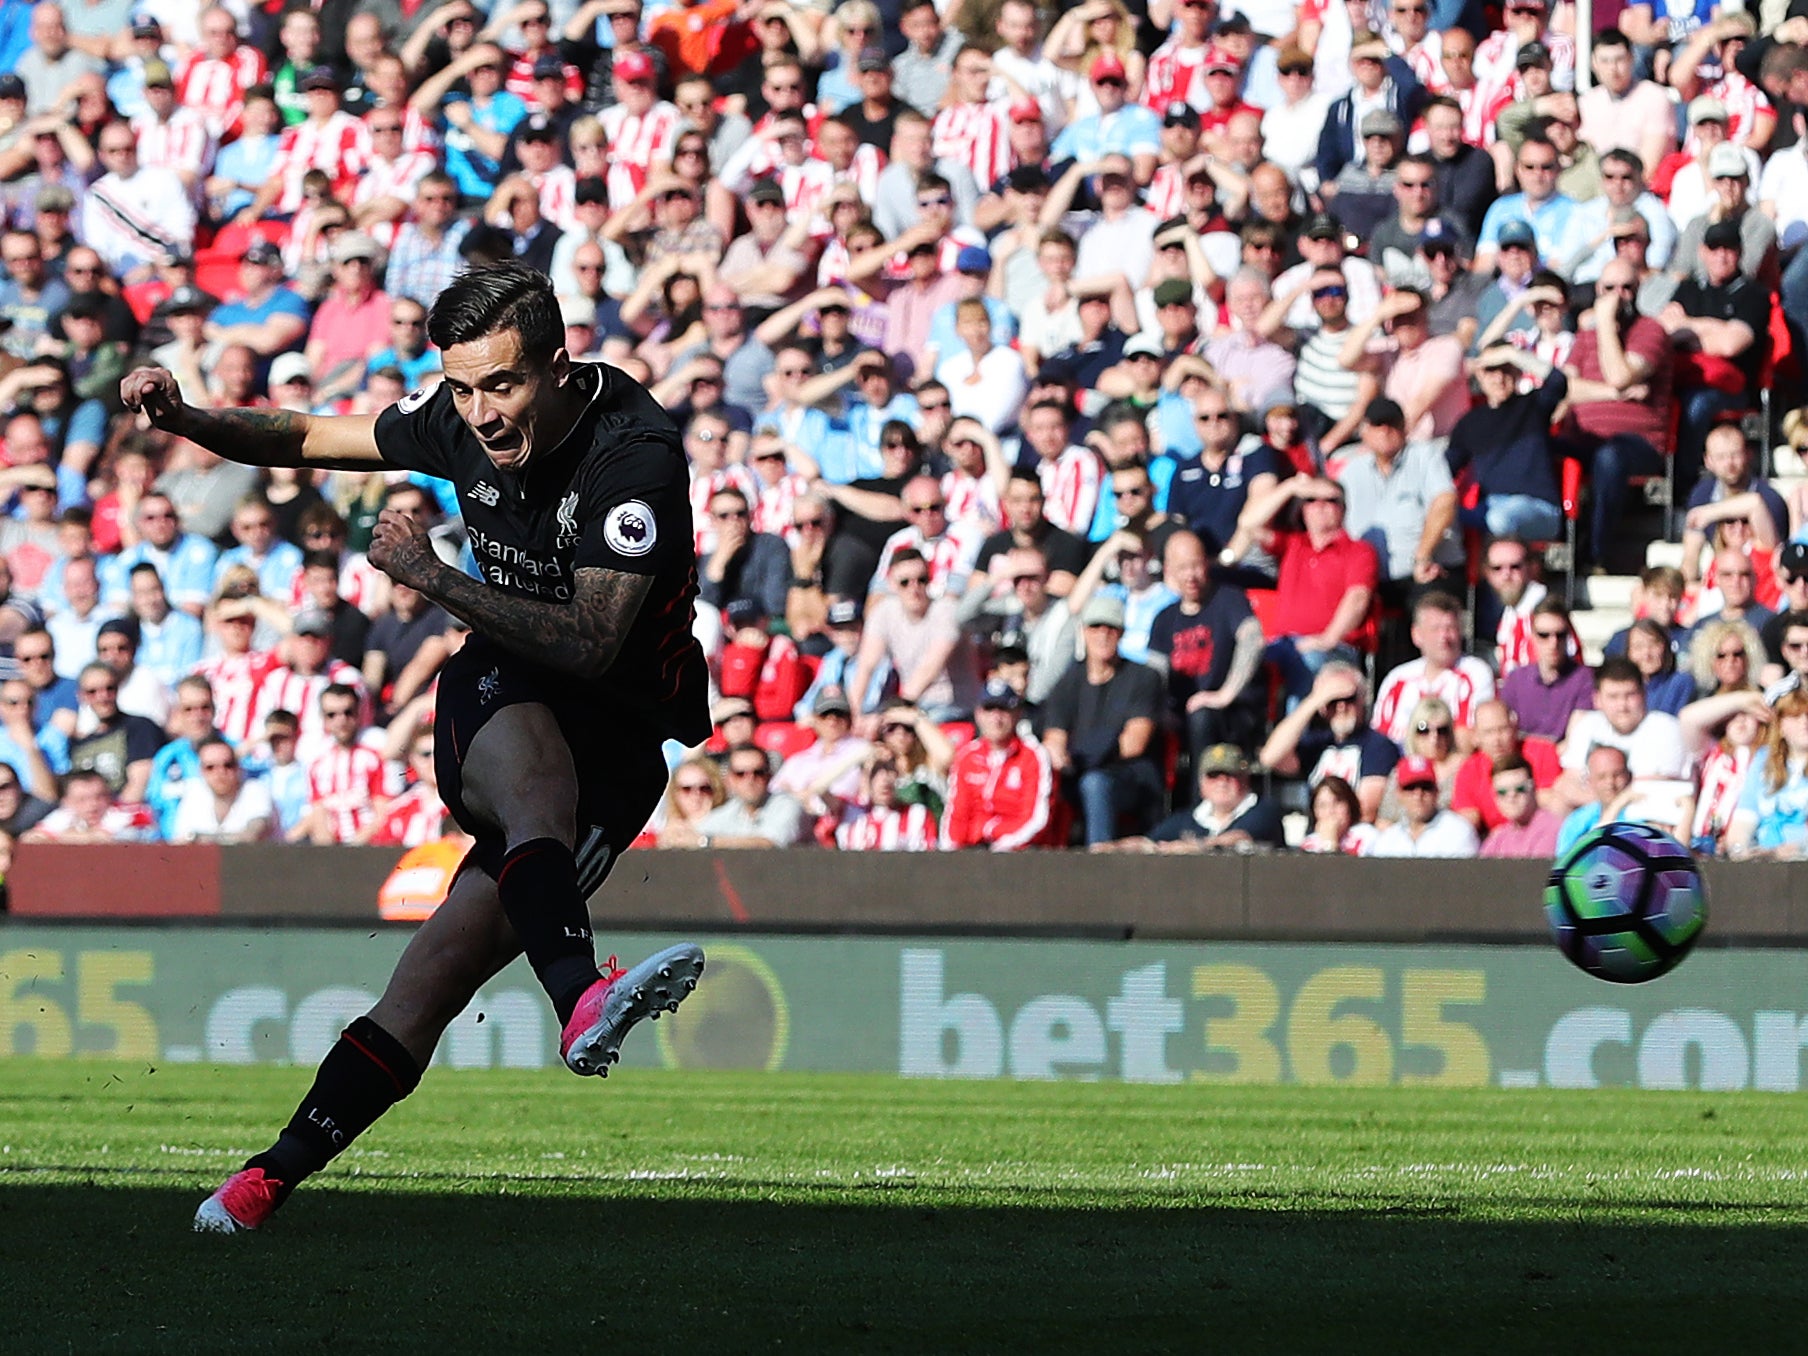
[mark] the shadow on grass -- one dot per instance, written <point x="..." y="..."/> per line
<point x="114" y="1269"/>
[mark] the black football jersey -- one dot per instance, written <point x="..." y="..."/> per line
<point x="613" y="495"/>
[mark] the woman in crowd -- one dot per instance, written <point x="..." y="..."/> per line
<point x="1667" y="688"/>
<point x="1085" y="33"/>
<point x="923" y="753"/>
<point x="1724" y="656"/>
<point x="1337" y="825"/>
<point x="1725" y="731"/>
<point x="1772" y="817"/>
<point x="695" y="788"/>
<point x="1430" y="734"/>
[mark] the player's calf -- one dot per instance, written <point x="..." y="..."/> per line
<point x="611" y="1007"/>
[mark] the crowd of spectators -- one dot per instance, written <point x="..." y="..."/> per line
<point x="1111" y="425"/>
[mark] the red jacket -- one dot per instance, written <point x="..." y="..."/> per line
<point x="772" y="679"/>
<point x="998" y="798"/>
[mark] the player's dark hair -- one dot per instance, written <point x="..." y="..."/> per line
<point x="505" y="296"/>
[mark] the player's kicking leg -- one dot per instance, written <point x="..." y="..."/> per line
<point x="519" y="774"/>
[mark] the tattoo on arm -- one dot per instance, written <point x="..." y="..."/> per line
<point x="581" y="637"/>
<point x="255" y="437"/>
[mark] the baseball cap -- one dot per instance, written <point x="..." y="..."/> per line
<point x="1000" y="696"/>
<point x="1144" y="342"/>
<point x="11" y="87"/>
<point x="633" y="66"/>
<point x="355" y="245"/>
<point x="314" y="622"/>
<point x="1103" y="611"/>
<point x="1026" y="110"/>
<point x="157" y="73"/>
<point x="146" y="26"/>
<point x="591" y="188"/>
<point x="549" y="67"/>
<point x="766" y="190"/>
<point x="1517" y="232"/>
<point x="1321" y="226"/>
<point x="1727" y="161"/>
<point x="831" y="701"/>
<point x="1107" y="65"/>
<point x="1173" y="292"/>
<point x="874" y="59"/>
<point x="261" y="252"/>
<point x="973" y="259"/>
<point x="1384" y="413"/>
<point x="1224" y="758"/>
<point x="1416" y="771"/>
<point x="1220" y="59"/>
<point x="318" y="77"/>
<point x="1180" y="114"/>
<point x="1532" y="54"/>
<point x="539" y="127"/>
<point x="187" y="299"/>
<point x="845" y="612"/>
<point x="744" y="612"/>
<point x="1381" y="123"/>
<point x="728" y="708"/>
<point x="1723" y="235"/>
<point x="1794" y="560"/>
<point x="1706" y="109"/>
<point x="288" y="367"/>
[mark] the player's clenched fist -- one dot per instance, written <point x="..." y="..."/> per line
<point x="153" y="391"/>
<point x="401" y="548"/>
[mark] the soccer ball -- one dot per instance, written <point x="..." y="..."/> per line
<point x="1626" y="903"/>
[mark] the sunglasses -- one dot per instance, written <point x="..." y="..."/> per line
<point x="1548" y="635"/>
<point x="695" y="789"/>
<point x="748" y="772"/>
<point x="1329" y="293"/>
<point x="1514" y="789"/>
<point x="1425" y="728"/>
<point x="218" y="767"/>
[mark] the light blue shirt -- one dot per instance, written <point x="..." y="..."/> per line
<point x="944" y="339"/>
<point x="1132" y="130"/>
<point x="1554" y="226"/>
<point x="1783" y="813"/>
<point x="1591" y="221"/>
<point x="275" y="572"/>
<point x="186" y="569"/>
<point x="175" y="763"/>
<point x="172" y="647"/>
<point x="476" y="173"/>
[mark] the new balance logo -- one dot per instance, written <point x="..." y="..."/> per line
<point x="486" y="494"/>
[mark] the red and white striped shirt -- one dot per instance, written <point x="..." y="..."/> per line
<point x="398" y="178"/>
<point x="520" y="79"/>
<point x="635" y="143"/>
<point x="877" y="828"/>
<point x="974" y="135"/>
<point x="1497" y="55"/>
<point x="412" y="818"/>
<point x="707" y="487"/>
<point x="804" y="186"/>
<point x="558" y="189"/>
<point x="1513" y="637"/>
<point x="216" y="89"/>
<point x="334" y="147"/>
<point x="950" y="559"/>
<point x="183" y="144"/>
<point x="1480" y="108"/>
<point x="283" y="689"/>
<point x="1166" y="196"/>
<point x="868" y="164"/>
<point x="772" y="509"/>
<point x="349" y="782"/>
<point x="1070" y="487"/>
<point x="236" y="680"/>
<point x="1462" y="688"/>
<point x="1744" y="102"/>
<point x="1722" y="779"/>
<point x="1176" y="74"/>
<point x="1426" y="58"/>
<point x="358" y="585"/>
<point x="972" y="502"/>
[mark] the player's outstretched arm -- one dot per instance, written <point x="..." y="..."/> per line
<point x="256" y="437"/>
<point x="581" y="637"/>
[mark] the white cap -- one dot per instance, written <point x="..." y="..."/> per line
<point x="577" y="311"/>
<point x="287" y="367"/>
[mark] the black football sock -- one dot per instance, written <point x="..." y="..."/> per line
<point x="365" y="1073"/>
<point x="538" y="884"/>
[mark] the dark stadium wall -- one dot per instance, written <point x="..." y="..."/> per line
<point x="1282" y="898"/>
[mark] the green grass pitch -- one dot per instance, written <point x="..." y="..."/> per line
<point x="531" y="1212"/>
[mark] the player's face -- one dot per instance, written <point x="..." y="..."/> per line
<point x="506" y="400"/>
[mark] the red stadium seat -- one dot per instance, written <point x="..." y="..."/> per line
<point x="784" y="737"/>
